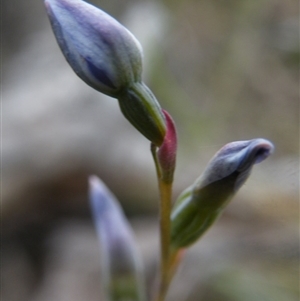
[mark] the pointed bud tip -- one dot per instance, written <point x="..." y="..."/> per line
<point x="262" y="149"/>
<point x="93" y="179"/>
<point x="94" y="182"/>
<point x="100" y="196"/>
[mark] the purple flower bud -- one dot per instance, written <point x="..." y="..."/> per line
<point x="236" y="158"/>
<point x="105" y="55"/>
<point x="101" y="51"/>
<point x="199" y="205"/>
<point x="120" y="258"/>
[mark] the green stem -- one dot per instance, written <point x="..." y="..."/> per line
<point x="173" y="262"/>
<point x="165" y="190"/>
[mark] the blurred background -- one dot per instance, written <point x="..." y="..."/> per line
<point x="226" y="71"/>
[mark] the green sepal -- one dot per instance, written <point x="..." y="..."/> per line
<point x="195" y="211"/>
<point x="140" y="107"/>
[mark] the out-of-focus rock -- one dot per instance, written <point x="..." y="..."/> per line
<point x="72" y="268"/>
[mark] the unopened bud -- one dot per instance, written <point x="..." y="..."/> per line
<point x="101" y="51"/>
<point x="198" y="206"/>
<point x="121" y="264"/>
<point x="106" y="56"/>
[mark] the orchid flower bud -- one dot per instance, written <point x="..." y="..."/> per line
<point x="100" y="50"/>
<point x="106" y="56"/>
<point x="121" y="264"/>
<point x="201" y="204"/>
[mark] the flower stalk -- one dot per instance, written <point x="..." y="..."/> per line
<point x="165" y="161"/>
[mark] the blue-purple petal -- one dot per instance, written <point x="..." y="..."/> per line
<point x="101" y="51"/>
<point x="100" y="73"/>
